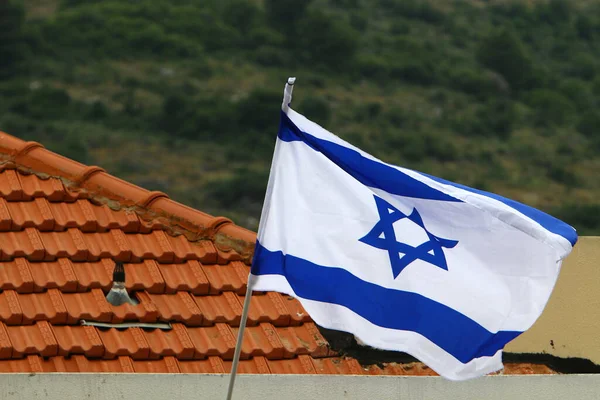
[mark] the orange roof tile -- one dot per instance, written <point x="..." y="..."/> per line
<point x="62" y="227"/>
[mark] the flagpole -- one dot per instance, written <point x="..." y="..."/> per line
<point x="238" y="345"/>
<point x="287" y="99"/>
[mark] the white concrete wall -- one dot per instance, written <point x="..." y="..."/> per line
<point x="292" y="387"/>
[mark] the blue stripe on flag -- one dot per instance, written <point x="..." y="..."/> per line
<point x="454" y="332"/>
<point x="378" y="175"/>
<point x="549" y="222"/>
<point x="368" y="172"/>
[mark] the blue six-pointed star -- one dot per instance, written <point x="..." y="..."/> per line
<point x="382" y="236"/>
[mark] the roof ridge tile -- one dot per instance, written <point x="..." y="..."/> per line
<point x="26" y="148"/>
<point x="151" y="197"/>
<point x="86" y="174"/>
<point x="33" y="157"/>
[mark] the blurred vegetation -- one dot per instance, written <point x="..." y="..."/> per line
<point x="184" y="96"/>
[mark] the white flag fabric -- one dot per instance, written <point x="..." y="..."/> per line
<point x="403" y="260"/>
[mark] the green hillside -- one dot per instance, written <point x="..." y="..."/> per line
<point x="184" y="96"/>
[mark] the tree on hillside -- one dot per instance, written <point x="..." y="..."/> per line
<point x="12" y="17"/>
<point x="503" y="52"/>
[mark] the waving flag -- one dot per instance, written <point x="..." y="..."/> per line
<point x="403" y="260"/>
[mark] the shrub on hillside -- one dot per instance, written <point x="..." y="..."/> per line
<point x="200" y="119"/>
<point x="513" y="10"/>
<point x="242" y="15"/>
<point x="585" y="26"/>
<point x="373" y="67"/>
<point x="584" y="217"/>
<point x="15" y="123"/>
<point x="284" y="15"/>
<point x="578" y="92"/>
<point x="359" y="21"/>
<point x="589" y="124"/>
<point x="477" y="82"/>
<point x="271" y="56"/>
<point x="259" y="112"/>
<point x="43" y="103"/>
<point x="326" y="40"/>
<point x="419" y="69"/>
<point x="144" y="28"/>
<point x="245" y="188"/>
<point x="550" y="108"/>
<point x="316" y="108"/>
<point x="561" y="174"/>
<point x="554" y="11"/>
<point x="412" y="145"/>
<point x="596" y="86"/>
<point x="584" y="66"/>
<point x="497" y="117"/>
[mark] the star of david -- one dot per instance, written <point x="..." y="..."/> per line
<point x="382" y="236"/>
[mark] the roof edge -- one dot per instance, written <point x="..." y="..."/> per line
<point x="33" y="157"/>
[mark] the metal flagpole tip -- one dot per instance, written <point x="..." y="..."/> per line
<point x="287" y="93"/>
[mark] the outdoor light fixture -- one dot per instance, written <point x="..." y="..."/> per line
<point x="118" y="294"/>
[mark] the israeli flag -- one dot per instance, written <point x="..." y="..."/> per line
<point x="403" y="260"/>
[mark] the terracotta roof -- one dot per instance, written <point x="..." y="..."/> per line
<point x="63" y="225"/>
